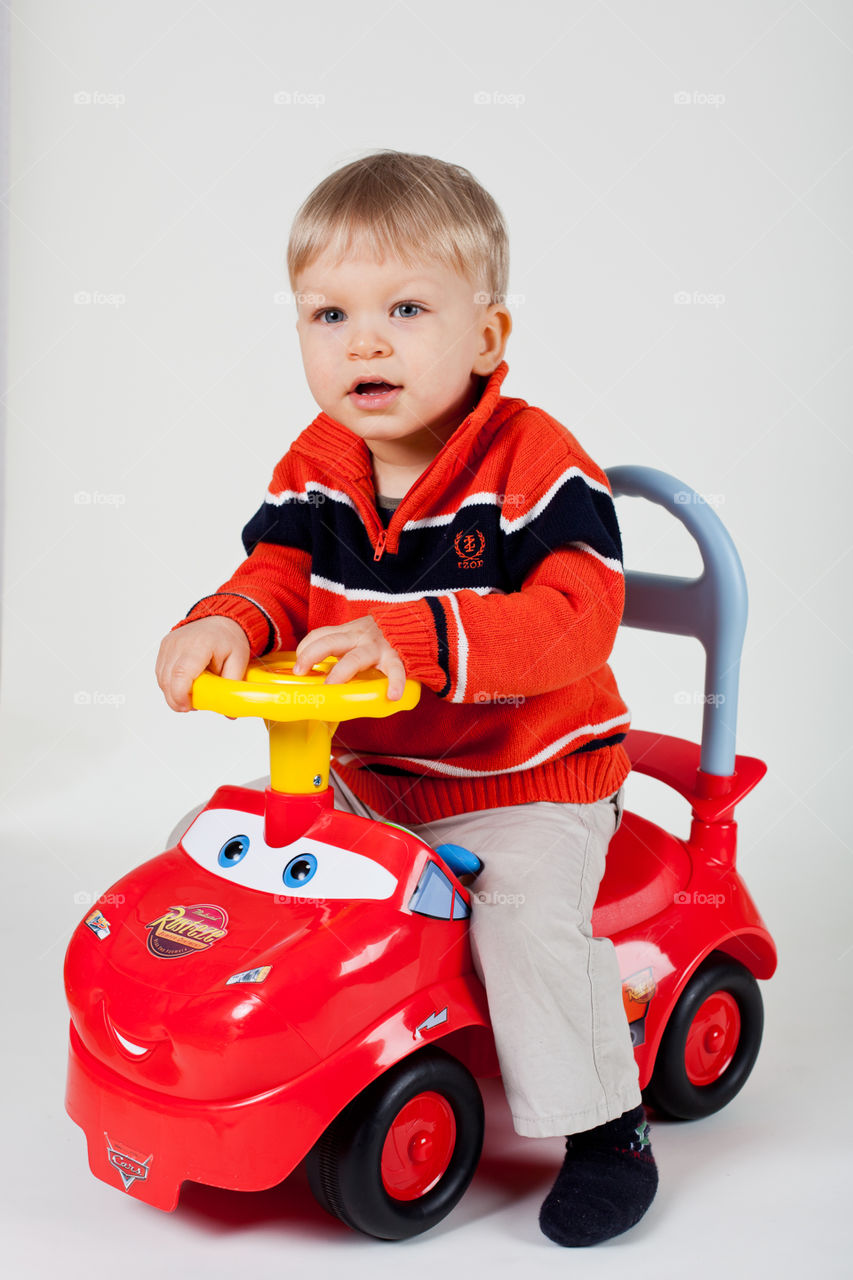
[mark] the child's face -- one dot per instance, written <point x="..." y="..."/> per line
<point x="418" y="329"/>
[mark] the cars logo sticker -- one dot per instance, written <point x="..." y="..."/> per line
<point x="127" y="1165"/>
<point x="182" y="931"/>
<point x="98" y="924"/>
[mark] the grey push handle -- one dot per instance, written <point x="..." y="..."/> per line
<point x="712" y="607"/>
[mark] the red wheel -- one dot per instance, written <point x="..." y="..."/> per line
<point x="418" y="1147"/>
<point x="712" y="1039"/>
<point x="399" y="1156"/>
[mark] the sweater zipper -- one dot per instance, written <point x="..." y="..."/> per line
<point x="383" y="536"/>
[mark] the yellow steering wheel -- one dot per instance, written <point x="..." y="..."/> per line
<point x="301" y="712"/>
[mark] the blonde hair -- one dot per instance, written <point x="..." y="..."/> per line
<point x="408" y="206"/>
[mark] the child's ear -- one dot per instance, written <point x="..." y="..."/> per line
<point x="496" y="328"/>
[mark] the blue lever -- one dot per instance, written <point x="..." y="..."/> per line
<point x="460" y="860"/>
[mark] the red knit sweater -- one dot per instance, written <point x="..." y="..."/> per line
<point x="498" y="580"/>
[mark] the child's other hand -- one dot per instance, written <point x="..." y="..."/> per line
<point x="216" y="643"/>
<point x="357" y="645"/>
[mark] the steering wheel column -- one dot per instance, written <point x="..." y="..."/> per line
<point x="302" y="714"/>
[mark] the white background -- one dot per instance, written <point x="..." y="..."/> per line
<point x="143" y="427"/>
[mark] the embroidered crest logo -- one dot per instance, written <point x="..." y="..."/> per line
<point x="181" y="931"/>
<point x="470" y="548"/>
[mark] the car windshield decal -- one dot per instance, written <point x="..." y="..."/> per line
<point x="436" y="896"/>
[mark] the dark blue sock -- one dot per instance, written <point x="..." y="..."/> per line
<point x="607" y="1182"/>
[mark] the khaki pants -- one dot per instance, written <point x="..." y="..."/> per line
<point x="554" y="991"/>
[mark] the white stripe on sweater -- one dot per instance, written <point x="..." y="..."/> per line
<point x="461" y="652"/>
<point x="304" y="495"/>
<point x="392" y="597"/>
<point x="454" y="771"/>
<point x="504" y="500"/>
<point x="508" y="524"/>
<point x="512" y="526"/>
<point x="615" y="565"/>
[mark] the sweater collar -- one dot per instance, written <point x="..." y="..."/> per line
<point x="344" y="454"/>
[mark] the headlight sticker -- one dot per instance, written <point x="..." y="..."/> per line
<point x="250" y="975"/>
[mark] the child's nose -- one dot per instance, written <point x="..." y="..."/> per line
<point x="369" y="341"/>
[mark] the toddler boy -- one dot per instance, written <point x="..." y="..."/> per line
<point x="428" y="526"/>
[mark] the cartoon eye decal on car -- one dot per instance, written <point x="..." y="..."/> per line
<point x="230" y="844"/>
<point x="299" y="870"/>
<point x="233" y="851"/>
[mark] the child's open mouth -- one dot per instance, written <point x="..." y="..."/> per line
<point x="373" y="395"/>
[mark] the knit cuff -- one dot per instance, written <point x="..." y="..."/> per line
<point x="260" y="630"/>
<point x="408" y="628"/>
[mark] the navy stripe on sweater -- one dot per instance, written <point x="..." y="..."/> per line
<point x="440" y="622"/>
<point x="487" y="544"/>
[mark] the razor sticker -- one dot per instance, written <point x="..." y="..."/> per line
<point x="183" y="931"/>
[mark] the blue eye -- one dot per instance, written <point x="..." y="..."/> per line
<point x="233" y="851"/>
<point x="299" y="870"/>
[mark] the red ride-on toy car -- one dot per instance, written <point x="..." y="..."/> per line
<point x="293" y="982"/>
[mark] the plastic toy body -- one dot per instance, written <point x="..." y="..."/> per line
<point x="292" y="981"/>
<point x="219" y="1027"/>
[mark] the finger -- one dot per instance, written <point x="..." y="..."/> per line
<point x="331" y="647"/>
<point x="346" y="667"/>
<point x="306" y="654"/>
<point x="180" y="685"/>
<point x="234" y="666"/>
<point x="163" y="665"/>
<point x="365" y="658"/>
<point x="182" y="675"/>
<point x="304" y="664"/>
<point x="393" y="668"/>
<point x="312" y="636"/>
<point x="173" y="696"/>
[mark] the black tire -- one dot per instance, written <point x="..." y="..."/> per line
<point x="345" y="1167"/>
<point x="670" y="1090"/>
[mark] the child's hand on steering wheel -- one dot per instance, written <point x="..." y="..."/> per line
<point x="218" y="644"/>
<point x="358" y="645"/>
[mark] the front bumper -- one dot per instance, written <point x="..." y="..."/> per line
<point x="148" y="1143"/>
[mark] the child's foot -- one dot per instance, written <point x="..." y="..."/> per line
<point x="607" y="1182"/>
